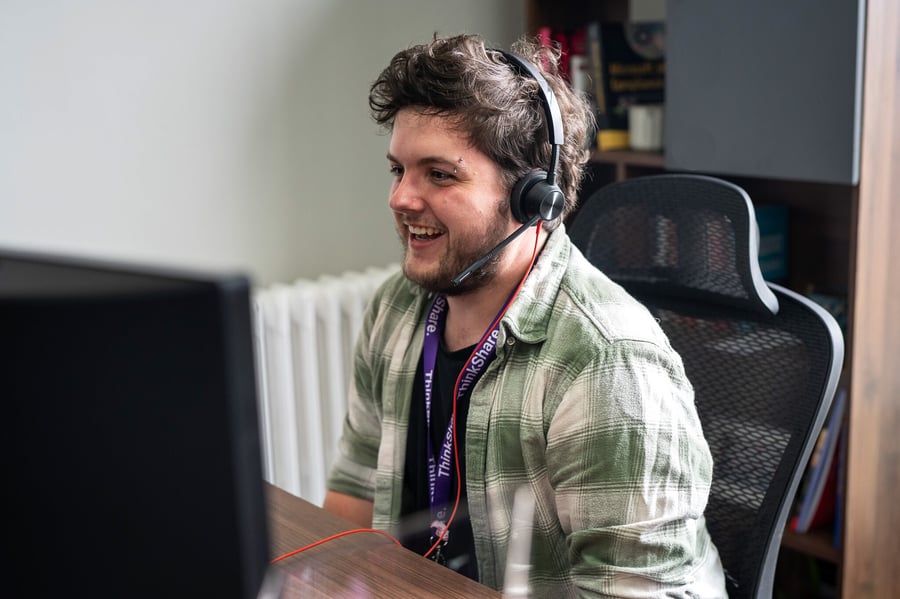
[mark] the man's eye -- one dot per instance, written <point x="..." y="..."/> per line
<point x="396" y="170"/>
<point x="441" y="176"/>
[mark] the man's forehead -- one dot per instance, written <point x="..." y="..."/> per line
<point x="431" y="138"/>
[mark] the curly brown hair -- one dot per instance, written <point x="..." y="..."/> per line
<point x="496" y="106"/>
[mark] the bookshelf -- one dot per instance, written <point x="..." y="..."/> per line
<point x="842" y="239"/>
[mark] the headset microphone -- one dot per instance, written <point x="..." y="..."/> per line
<point x="458" y="279"/>
<point x="535" y="196"/>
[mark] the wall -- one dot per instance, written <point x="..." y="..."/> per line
<point x="211" y="133"/>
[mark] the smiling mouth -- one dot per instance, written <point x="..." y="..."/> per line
<point x="424" y="233"/>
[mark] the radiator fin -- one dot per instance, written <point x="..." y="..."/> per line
<point x="304" y="333"/>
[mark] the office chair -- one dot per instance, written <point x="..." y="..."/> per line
<point x="763" y="360"/>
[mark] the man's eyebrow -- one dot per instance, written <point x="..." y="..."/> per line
<point x="426" y="160"/>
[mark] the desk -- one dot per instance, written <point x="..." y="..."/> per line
<point x="358" y="565"/>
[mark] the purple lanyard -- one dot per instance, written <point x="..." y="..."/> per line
<point x="440" y="468"/>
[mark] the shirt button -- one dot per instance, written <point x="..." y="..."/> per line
<point x="510" y="341"/>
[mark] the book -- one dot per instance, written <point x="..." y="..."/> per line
<point x="838" y="537"/>
<point x="819" y="494"/>
<point x="772" y="221"/>
<point x="627" y="67"/>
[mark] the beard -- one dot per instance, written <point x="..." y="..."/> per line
<point x="459" y="256"/>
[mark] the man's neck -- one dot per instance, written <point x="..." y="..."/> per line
<point x="470" y="314"/>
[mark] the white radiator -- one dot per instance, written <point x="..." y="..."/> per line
<point x="304" y="334"/>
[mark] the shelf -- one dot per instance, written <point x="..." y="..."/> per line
<point x="817" y="543"/>
<point x="626" y="160"/>
<point x="630" y="158"/>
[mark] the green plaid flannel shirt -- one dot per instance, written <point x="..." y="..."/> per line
<point x="586" y="403"/>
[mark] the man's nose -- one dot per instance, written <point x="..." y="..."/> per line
<point x="405" y="196"/>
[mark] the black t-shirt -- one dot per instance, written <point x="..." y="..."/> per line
<point x="415" y="532"/>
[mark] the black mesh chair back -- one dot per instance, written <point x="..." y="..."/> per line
<point x="763" y="360"/>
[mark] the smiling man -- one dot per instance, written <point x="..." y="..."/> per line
<point x="534" y="371"/>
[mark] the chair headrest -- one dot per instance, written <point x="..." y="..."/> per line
<point x="677" y="235"/>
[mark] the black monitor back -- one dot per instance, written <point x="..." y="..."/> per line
<point x="130" y="441"/>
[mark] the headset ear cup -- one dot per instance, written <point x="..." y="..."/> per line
<point x="522" y="209"/>
<point x="532" y="196"/>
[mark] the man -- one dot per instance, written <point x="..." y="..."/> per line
<point x="534" y="371"/>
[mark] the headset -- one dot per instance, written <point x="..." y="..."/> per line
<point x="537" y="194"/>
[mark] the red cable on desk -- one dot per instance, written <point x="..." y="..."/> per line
<point x="333" y="537"/>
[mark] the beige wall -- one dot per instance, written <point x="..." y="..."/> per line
<point x="211" y="133"/>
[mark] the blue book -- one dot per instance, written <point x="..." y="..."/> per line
<point x="773" y="242"/>
<point x="841" y="481"/>
<point x="812" y="494"/>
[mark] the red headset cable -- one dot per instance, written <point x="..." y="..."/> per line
<point x="490" y="328"/>
<point x="455" y="444"/>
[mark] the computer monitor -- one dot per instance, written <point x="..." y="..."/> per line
<point x="130" y="439"/>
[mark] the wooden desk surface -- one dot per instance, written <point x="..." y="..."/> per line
<point x="357" y="565"/>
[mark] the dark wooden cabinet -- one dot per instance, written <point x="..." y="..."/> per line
<point x="844" y="235"/>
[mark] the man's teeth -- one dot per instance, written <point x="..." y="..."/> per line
<point x="424" y="231"/>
